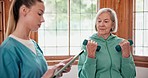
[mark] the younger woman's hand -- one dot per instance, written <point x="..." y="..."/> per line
<point x="65" y="62"/>
<point x="50" y="72"/>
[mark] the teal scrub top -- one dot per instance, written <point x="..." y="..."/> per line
<point x="18" y="61"/>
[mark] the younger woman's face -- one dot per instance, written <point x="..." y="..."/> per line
<point x="104" y="24"/>
<point x="34" y="17"/>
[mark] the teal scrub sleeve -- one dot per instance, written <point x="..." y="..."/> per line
<point x="8" y="65"/>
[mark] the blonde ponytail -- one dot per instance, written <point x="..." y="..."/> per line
<point x="11" y="23"/>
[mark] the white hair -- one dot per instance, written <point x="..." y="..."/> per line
<point x="113" y="16"/>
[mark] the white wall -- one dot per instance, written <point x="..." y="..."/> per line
<point x="140" y="72"/>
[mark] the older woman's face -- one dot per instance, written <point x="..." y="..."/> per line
<point x="104" y="24"/>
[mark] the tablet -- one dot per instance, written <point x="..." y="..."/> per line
<point x="66" y="65"/>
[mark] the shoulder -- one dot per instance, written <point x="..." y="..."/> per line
<point x="7" y="53"/>
<point x="117" y="38"/>
<point x="9" y="50"/>
<point x="94" y="37"/>
<point x="8" y="43"/>
<point x="9" y="46"/>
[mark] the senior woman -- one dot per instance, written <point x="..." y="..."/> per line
<point x="107" y="62"/>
